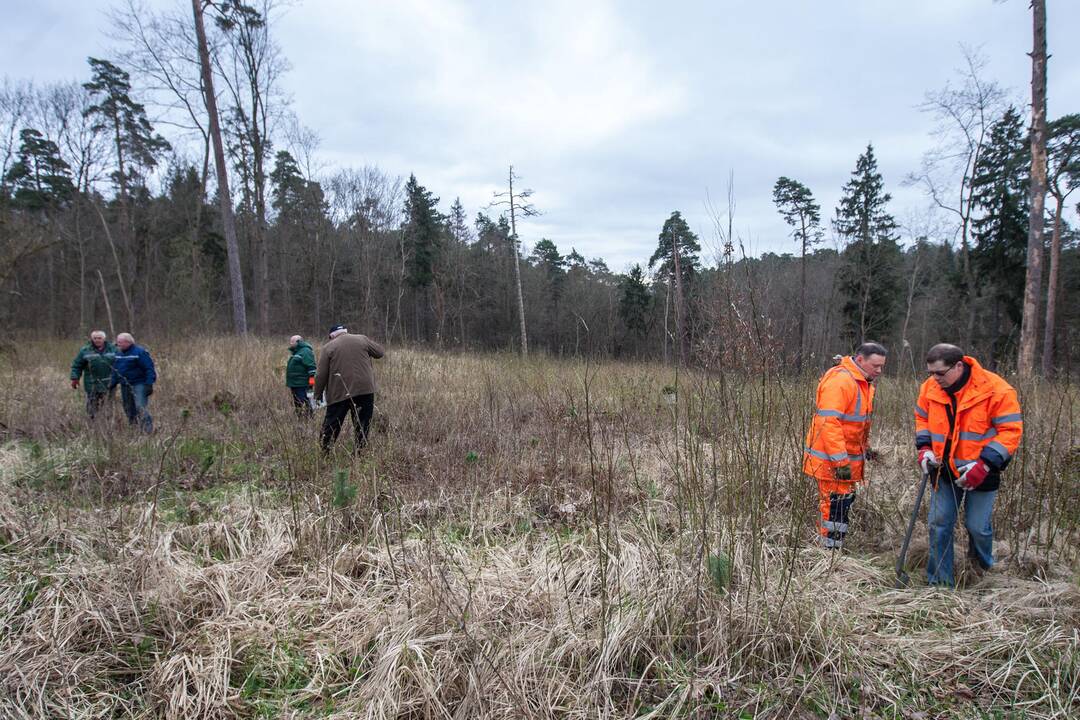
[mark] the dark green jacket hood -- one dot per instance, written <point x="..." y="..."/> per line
<point x="301" y="365"/>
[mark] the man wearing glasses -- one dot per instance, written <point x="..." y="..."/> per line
<point x="838" y="442"/>
<point x="968" y="425"/>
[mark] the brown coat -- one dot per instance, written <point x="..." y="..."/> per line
<point x="344" y="368"/>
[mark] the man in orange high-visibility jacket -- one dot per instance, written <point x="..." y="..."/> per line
<point x="838" y="443"/>
<point x="968" y="426"/>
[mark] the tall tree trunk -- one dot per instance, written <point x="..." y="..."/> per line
<point x="517" y="269"/>
<point x="236" y="278"/>
<point x="802" y="301"/>
<point x="680" y="331"/>
<point x="108" y="305"/>
<point x="262" y="254"/>
<point x="1051" y="292"/>
<point x="81" y="245"/>
<point x="196" y="266"/>
<point x="1029" y="327"/>
<point x="119" y="271"/>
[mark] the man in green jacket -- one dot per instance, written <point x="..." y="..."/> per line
<point x="94" y="364"/>
<point x="300" y="374"/>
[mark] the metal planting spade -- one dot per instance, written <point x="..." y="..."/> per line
<point x="903" y="580"/>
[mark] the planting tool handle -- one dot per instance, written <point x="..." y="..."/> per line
<point x="911" y="525"/>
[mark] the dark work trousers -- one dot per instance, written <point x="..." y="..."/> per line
<point x="95" y="401"/>
<point x="360" y="407"/>
<point x="300" y="402"/>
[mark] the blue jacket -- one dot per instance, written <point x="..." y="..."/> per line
<point x="134" y="367"/>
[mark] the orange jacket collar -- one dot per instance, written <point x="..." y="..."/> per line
<point x="848" y="363"/>
<point x="978" y="385"/>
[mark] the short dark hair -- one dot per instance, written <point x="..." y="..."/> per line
<point x="946" y="353"/>
<point x="871" y="348"/>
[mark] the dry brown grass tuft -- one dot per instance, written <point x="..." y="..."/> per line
<point x="522" y="540"/>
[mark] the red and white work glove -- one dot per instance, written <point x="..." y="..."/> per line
<point x="928" y="460"/>
<point x="74" y="384"/>
<point x="973" y="475"/>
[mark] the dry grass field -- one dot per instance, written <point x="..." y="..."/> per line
<point x="522" y="539"/>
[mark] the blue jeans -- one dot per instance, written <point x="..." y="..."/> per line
<point x="136" y="398"/>
<point x="945" y="503"/>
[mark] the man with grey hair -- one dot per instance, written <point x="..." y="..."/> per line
<point x="93" y="364"/>
<point x="300" y="374"/>
<point x="134" y="372"/>
<point x="345" y="375"/>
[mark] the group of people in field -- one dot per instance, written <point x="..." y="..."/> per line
<point x="101" y="366"/>
<point x="968" y="426"/>
<point x="343" y="380"/>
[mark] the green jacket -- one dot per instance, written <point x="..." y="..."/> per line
<point x="95" y="366"/>
<point x="301" y="365"/>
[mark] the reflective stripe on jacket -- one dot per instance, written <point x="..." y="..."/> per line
<point x="840" y="431"/>
<point x="133" y="366"/>
<point x="94" y="366"/>
<point x="988" y="425"/>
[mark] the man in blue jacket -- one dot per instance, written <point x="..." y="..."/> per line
<point x="133" y="371"/>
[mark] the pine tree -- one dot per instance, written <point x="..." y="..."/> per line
<point x="799" y="209"/>
<point x="134" y="142"/>
<point x="869" y="277"/>
<point x="677" y="252"/>
<point x="676" y="233"/>
<point x="546" y="258"/>
<point x="40" y="179"/>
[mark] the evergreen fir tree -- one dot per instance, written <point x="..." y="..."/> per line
<point x="423" y="233"/>
<point x="1000" y="189"/>
<point x="869" y="279"/>
<point x="634" y="302"/>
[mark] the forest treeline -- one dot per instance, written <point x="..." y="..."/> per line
<point x="110" y="217"/>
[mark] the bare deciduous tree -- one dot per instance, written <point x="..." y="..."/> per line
<point x="964" y="115"/>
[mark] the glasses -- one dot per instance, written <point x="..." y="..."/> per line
<point x="941" y="373"/>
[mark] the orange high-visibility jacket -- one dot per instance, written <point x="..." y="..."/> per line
<point x="840" y="432"/>
<point x="988" y="425"/>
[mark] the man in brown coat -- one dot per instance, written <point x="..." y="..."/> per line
<point x="345" y="375"/>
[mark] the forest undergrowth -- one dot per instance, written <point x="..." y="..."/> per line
<point x="540" y="538"/>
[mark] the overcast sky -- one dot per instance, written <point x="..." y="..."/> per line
<point x="616" y="113"/>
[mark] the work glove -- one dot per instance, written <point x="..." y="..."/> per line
<point x="973" y="475"/>
<point x="928" y="461"/>
<point x="872" y="455"/>
<point x="311" y="381"/>
<point x="842" y="472"/>
<point x="74" y="384"/>
<point x="149" y="390"/>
